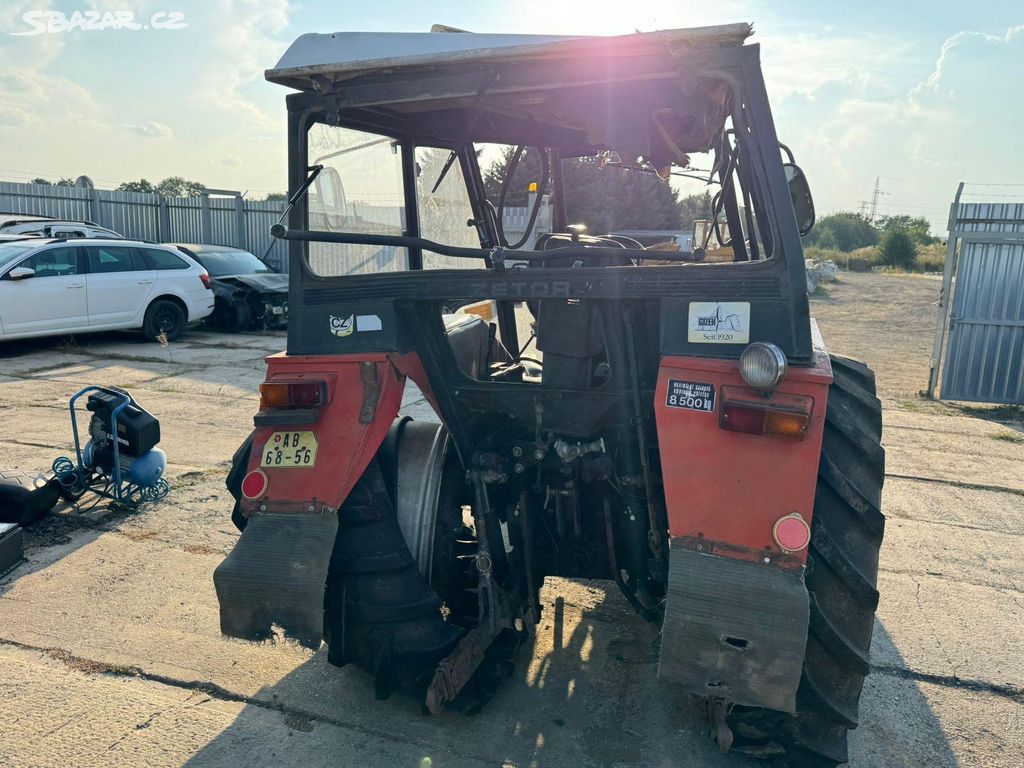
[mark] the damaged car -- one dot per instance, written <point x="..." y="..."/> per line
<point x="249" y="292"/>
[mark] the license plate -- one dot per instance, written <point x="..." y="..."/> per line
<point x="290" y="449"/>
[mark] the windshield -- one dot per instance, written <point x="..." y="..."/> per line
<point x="224" y="263"/>
<point x="11" y="251"/>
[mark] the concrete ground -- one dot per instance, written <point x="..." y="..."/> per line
<point x="111" y="655"/>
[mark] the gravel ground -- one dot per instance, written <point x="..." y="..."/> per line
<point x="111" y="653"/>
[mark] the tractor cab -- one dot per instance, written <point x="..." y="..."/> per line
<point x="649" y="415"/>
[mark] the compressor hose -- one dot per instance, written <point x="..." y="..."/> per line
<point x="71" y="478"/>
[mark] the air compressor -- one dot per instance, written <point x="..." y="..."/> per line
<point x="120" y="461"/>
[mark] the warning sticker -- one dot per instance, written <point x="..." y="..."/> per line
<point x="691" y="394"/>
<point x="719" y="322"/>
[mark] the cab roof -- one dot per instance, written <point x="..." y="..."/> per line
<point x="345" y="55"/>
<point x="655" y="95"/>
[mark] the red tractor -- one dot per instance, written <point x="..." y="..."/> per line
<point x="678" y="428"/>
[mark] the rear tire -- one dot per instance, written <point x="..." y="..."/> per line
<point x="164" y="316"/>
<point x="842" y="568"/>
<point x="379" y="612"/>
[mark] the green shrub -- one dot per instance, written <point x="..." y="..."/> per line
<point x="898" y="249"/>
<point x="931" y="258"/>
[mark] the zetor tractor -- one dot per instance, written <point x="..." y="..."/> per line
<point x="666" y="419"/>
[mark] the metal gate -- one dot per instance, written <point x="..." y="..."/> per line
<point x="985" y="350"/>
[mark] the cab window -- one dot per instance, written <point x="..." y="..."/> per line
<point x="359" y="190"/>
<point x="445" y="214"/>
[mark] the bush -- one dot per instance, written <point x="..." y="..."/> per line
<point x="898" y="249"/>
<point x="843" y="231"/>
<point x="931" y="258"/>
<point x="860" y="260"/>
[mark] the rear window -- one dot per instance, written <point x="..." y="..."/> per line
<point x="160" y="259"/>
<point x="104" y="259"/>
<point x="224" y="263"/>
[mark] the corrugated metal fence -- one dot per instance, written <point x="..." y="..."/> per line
<point x="227" y="219"/>
<point x="224" y="220"/>
<point x="985" y="351"/>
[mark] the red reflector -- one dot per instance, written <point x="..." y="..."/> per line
<point x="255" y="484"/>
<point x="791" y="533"/>
<point x="301" y="394"/>
<point x="757" y="419"/>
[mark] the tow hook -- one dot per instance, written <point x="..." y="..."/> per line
<point x="720" y="730"/>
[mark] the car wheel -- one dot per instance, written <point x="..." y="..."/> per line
<point x="163" y="317"/>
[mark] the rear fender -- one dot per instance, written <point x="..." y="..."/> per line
<point x="276" y="573"/>
<point x="364" y="394"/>
<point x="736" y="611"/>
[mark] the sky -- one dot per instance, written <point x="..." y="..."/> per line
<point x="915" y="95"/>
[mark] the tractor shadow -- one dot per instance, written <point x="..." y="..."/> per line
<point x="584" y="692"/>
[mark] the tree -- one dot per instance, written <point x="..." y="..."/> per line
<point x="898" y="248"/>
<point x="276" y="196"/>
<point x="41" y="180"/>
<point x="604" y="197"/>
<point x="176" y="186"/>
<point x="65" y="181"/>
<point x="692" y="208"/>
<point x="916" y="226"/>
<point x="844" y="231"/>
<point x="136" y="186"/>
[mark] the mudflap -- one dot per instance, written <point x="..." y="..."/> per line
<point x="276" y="575"/>
<point x="734" y="630"/>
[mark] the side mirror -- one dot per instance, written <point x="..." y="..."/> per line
<point x="331" y="192"/>
<point x="800" y="192"/>
<point x="21" y="273"/>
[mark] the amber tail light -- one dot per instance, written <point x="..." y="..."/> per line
<point x="293" y="394"/>
<point x="763" y="419"/>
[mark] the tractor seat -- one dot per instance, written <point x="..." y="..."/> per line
<point x="469" y="338"/>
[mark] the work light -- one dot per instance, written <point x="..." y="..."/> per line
<point x="762" y="365"/>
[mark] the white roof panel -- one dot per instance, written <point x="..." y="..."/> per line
<point x="348" y="54"/>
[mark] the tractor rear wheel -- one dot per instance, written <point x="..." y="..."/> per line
<point x="842" y="567"/>
<point x="393" y="593"/>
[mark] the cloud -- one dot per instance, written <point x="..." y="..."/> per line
<point x="231" y="161"/>
<point x="956" y="123"/>
<point x="243" y="49"/>
<point x="31" y="98"/>
<point x="151" y="130"/>
<point x="801" y="63"/>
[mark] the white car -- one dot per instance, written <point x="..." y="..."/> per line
<point x="46" y="227"/>
<point x="54" y="286"/>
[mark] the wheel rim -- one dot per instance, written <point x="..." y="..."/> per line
<point x="166" y="320"/>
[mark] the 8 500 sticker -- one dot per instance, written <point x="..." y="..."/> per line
<point x="693" y="395"/>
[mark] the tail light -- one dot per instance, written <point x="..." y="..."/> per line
<point x="293" y="394"/>
<point x="763" y="419"/>
<point x="204" y="278"/>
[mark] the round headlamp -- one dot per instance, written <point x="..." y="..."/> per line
<point x="762" y="365"/>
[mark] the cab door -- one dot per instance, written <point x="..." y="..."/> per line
<point x="52" y="300"/>
<point x="119" y="283"/>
